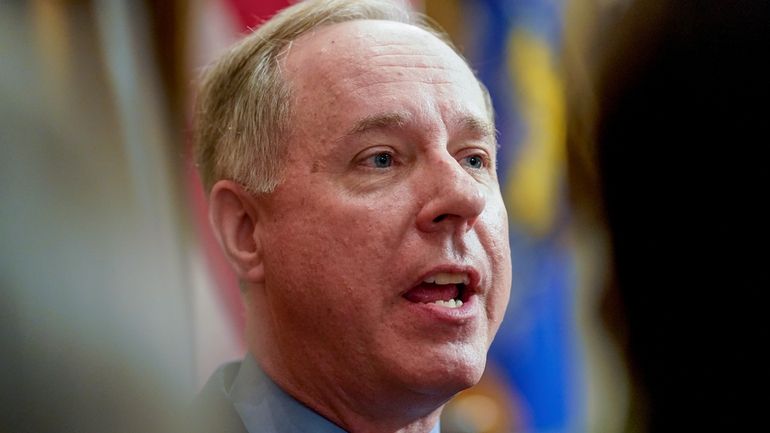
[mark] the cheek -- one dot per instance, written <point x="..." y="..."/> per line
<point x="498" y="251"/>
<point x="306" y="280"/>
<point x="333" y="249"/>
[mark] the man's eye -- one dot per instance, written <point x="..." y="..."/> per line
<point x="475" y="161"/>
<point x="382" y="160"/>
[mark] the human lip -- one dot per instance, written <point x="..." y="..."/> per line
<point x="428" y="292"/>
<point x="451" y="274"/>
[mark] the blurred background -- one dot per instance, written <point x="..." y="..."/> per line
<point x="631" y="137"/>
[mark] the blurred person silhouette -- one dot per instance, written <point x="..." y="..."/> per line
<point x="349" y="156"/>
<point x="95" y="329"/>
<point x="667" y="132"/>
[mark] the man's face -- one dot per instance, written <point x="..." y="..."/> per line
<point x="390" y="202"/>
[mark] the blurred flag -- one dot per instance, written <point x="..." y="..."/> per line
<point x="515" y="47"/>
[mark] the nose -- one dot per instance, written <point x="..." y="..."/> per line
<point x="454" y="199"/>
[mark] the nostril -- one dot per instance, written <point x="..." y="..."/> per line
<point x="439" y="218"/>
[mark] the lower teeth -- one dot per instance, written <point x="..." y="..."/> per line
<point x="452" y="303"/>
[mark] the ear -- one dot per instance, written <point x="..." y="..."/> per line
<point x="233" y="214"/>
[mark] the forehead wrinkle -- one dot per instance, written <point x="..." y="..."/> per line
<point x="380" y="121"/>
<point x="401" y="66"/>
<point x="360" y="88"/>
<point x="423" y="59"/>
<point x="380" y="55"/>
<point x="366" y="75"/>
<point x="396" y="44"/>
<point x="362" y="53"/>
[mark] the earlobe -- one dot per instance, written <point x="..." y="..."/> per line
<point x="233" y="214"/>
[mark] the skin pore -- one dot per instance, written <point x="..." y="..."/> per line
<point x="389" y="181"/>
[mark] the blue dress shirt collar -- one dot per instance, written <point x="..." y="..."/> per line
<point x="266" y="408"/>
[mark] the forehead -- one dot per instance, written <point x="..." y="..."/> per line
<point x="354" y="41"/>
<point x="362" y="62"/>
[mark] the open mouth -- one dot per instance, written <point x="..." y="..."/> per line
<point x="445" y="289"/>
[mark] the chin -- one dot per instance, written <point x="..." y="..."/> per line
<point x="446" y="373"/>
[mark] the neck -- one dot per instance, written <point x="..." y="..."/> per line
<point x="365" y="409"/>
<point x="354" y="401"/>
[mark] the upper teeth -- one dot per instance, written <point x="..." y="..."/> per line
<point x="448" y="278"/>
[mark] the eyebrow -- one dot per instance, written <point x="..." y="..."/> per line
<point x="481" y="128"/>
<point x="469" y="124"/>
<point x="379" y="121"/>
